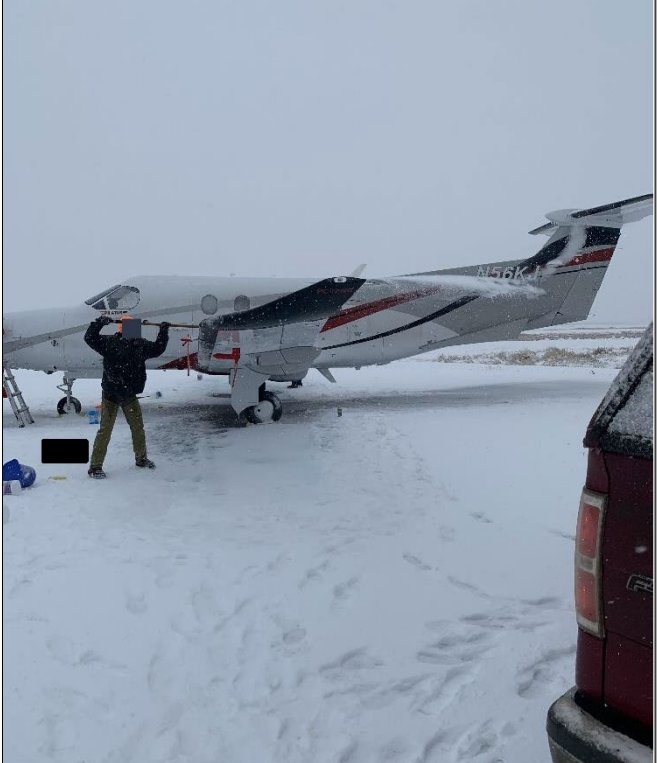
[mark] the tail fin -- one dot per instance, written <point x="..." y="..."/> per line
<point x="584" y="236"/>
<point x="571" y="266"/>
<point x="577" y="255"/>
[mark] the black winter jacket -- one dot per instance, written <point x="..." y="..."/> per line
<point x="124" y="361"/>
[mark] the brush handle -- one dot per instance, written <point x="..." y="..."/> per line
<point x="172" y="325"/>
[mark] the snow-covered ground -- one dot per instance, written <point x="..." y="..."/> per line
<point x="393" y="584"/>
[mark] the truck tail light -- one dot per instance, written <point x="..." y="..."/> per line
<point x="588" y="562"/>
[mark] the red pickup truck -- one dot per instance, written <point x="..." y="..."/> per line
<point x="607" y="716"/>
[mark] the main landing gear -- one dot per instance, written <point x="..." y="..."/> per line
<point x="269" y="408"/>
<point x="68" y="404"/>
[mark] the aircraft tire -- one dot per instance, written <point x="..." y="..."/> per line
<point x="269" y="409"/>
<point x="62" y="406"/>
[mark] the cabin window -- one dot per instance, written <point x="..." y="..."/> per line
<point x="242" y="302"/>
<point x="209" y="304"/>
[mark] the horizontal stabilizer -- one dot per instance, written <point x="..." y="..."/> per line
<point x="613" y="215"/>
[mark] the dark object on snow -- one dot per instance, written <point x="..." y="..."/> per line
<point x="296" y="384"/>
<point x="13" y="470"/>
<point x="65" y="450"/>
<point x="97" y="473"/>
<point x="124" y="360"/>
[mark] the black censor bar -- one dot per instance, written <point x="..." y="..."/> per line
<point x="73" y="451"/>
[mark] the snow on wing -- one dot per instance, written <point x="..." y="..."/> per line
<point x="287" y="324"/>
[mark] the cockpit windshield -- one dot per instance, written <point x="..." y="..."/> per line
<point x="117" y="298"/>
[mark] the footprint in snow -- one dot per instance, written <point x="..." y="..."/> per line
<point x="348" y="755"/>
<point x="541" y="673"/>
<point x="481" y="517"/>
<point x="294" y="636"/>
<point x="355" y="659"/>
<point x="314" y="573"/>
<point x="62" y="649"/>
<point x="455" y="649"/>
<point x="468" y="587"/>
<point x="547" y="602"/>
<point x="477" y="741"/>
<point x="416" y="562"/>
<point x="135" y="603"/>
<point x="504" y="620"/>
<point x="204" y="605"/>
<point x="396" y="749"/>
<point x="342" y="591"/>
<point x="447" y="533"/>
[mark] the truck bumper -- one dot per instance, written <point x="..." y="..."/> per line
<point x="575" y="736"/>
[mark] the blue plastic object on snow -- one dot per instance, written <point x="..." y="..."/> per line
<point x="93" y="417"/>
<point x="12" y="470"/>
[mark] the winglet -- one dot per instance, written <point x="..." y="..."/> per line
<point x="357" y="273"/>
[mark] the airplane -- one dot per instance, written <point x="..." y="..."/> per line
<point x="260" y="330"/>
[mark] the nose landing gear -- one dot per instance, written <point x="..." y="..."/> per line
<point x="68" y="404"/>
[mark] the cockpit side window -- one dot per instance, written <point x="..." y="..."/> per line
<point x="98" y="297"/>
<point x="116" y="298"/>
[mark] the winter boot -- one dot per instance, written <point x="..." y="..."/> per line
<point x="97" y="472"/>
<point x="145" y="463"/>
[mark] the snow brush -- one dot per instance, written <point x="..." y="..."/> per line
<point x="171" y="325"/>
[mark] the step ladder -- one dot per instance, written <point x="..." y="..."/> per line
<point x="15" y="396"/>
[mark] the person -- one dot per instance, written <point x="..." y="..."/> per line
<point x="124" y="377"/>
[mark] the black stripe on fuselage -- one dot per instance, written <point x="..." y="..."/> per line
<point x="598" y="236"/>
<point x="448" y="309"/>
<point x="595" y="236"/>
<point x="547" y="253"/>
<point x="443" y="311"/>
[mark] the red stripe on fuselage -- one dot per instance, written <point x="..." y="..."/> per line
<point x="181" y="363"/>
<point x="234" y="355"/>
<point x="584" y="258"/>
<point x="370" y="308"/>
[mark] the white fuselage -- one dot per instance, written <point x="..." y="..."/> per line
<point x="53" y="339"/>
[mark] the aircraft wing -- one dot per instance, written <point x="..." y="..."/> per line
<point x="274" y="339"/>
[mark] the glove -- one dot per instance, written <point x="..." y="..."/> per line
<point x="104" y="320"/>
<point x="165" y="326"/>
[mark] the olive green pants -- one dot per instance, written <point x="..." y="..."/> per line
<point x="109" y="411"/>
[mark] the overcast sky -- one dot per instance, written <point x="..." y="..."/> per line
<point x="303" y="138"/>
